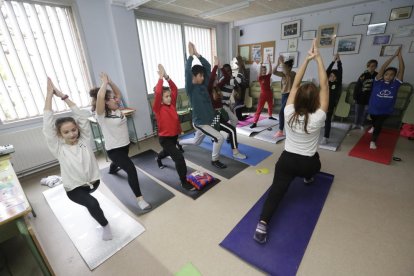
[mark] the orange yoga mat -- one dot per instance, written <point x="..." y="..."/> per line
<point x="385" y="147"/>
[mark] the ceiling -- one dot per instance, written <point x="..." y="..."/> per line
<point x="196" y="8"/>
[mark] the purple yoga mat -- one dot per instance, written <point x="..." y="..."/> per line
<point x="249" y="120"/>
<point x="289" y="231"/>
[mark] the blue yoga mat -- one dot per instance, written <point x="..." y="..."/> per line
<point x="289" y="231"/>
<point x="254" y="155"/>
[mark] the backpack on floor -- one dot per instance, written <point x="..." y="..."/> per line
<point x="199" y="179"/>
<point x="407" y="130"/>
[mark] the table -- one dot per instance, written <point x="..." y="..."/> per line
<point x="14" y="207"/>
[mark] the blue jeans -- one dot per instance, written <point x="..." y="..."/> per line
<point x="285" y="96"/>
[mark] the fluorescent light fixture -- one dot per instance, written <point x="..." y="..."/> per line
<point x="225" y="9"/>
<point x="129" y="4"/>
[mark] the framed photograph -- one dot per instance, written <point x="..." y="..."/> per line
<point x="326" y="35"/>
<point x="244" y="52"/>
<point x="308" y="35"/>
<point x="411" y="50"/>
<point x="268" y="52"/>
<point x="381" y="39"/>
<point x="256" y="53"/>
<point x="389" y="50"/>
<point x="377" y="28"/>
<point x="404" y="30"/>
<point x="401" y="13"/>
<point x="361" y="19"/>
<point x="291" y="55"/>
<point x="347" y="45"/>
<point x="291" y="29"/>
<point x="292" y="45"/>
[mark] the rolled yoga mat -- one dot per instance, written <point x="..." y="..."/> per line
<point x="289" y="230"/>
<point x="254" y="155"/>
<point x="386" y="143"/>
<point x="86" y="233"/>
<point x="337" y="135"/>
<point x="146" y="162"/>
<point x="153" y="192"/>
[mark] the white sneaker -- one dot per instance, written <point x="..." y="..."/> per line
<point x="371" y="130"/>
<point x="372" y="145"/>
<point x="143" y="205"/>
<point x="239" y="155"/>
<point x="324" y="141"/>
<point x="361" y="128"/>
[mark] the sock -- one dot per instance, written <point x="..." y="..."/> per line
<point x="106" y="233"/>
<point x="142" y="204"/>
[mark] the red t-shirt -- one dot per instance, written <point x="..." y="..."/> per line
<point x="265" y="83"/>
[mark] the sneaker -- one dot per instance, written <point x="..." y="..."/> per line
<point x="253" y="125"/>
<point x="308" y="181"/>
<point x="361" y="128"/>
<point x="143" y="205"/>
<point x="218" y="164"/>
<point x="372" y="145"/>
<point x="160" y="164"/>
<point x="278" y="134"/>
<point x="371" y="130"/>
<point x="324" y="141"/>
<point x="113" y="169"/>
<point x="187" y="186"/>
<point x="272" y="118"/>
<point x="261" y="233"/>
<point x="239" y="155"/>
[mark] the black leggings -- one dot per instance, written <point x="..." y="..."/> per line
<point x="231" y="130"/>
<point x="82" y="195"/>
<point x="377" y="123"/>
<point x="287" y="168"/>
<point x="120" y="157"/>
<point x="169" y="148"/>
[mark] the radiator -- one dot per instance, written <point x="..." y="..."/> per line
<point x="31" y="152"/>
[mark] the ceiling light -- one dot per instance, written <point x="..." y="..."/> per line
<point x="133" y="4"/>
<point x="225" y="9"/>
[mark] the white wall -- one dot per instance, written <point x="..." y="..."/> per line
<point x="269" y="29"/>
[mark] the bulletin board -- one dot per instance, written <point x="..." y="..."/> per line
<point x="257" y="51"/>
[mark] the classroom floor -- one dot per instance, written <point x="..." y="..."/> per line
<point x="366" y="226"/>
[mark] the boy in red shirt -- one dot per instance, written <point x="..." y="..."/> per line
<point x="169" y="126"/>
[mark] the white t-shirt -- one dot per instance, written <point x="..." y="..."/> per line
<point x="114" y="129"/>
<point x="78" y="165"/>
<point x="297" y="140"/>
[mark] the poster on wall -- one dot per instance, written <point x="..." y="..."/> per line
<point x="268" y="52"/>
<point x="256" y="53"/>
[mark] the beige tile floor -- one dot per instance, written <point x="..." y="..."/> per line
<point x="366" y="226"/>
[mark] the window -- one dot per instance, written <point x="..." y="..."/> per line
<point x="39" y="40"/>
<point x="163" y="43"/>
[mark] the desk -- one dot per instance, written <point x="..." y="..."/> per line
<point x="13" y="209"/>
<point x="98" y="136"/>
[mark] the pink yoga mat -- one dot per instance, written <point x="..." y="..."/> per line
<point x="249" y="120"/>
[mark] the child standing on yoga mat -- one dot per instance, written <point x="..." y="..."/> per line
<point x="305" y="114"/>
<point x="335" y="89"/>
<point x="169" y="127"/>
<point x="287" y="76"/>
<point x="266" y="94"/>
<point x="114" y="127"/>
<point x="196" y="84"/>
<point x="68" y="138"/>
<point x="384" y="95"/>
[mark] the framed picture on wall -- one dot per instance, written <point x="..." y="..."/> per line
<point x="404" y="30"/>
<point x="291" y="29"/>
<point x="326" y="35"/>
<point x="381" y="39"/>
<point x="308" y="35"/>
<point x="411" y="50"/>
<point x="291" y="56"/>
<point x="389" y="50"/>
<point x="361" y="19"/>
<point x="244" y="52"/>
<point x="292" y="45"/>
<point x="347" y="45"/>
<point x="377" y="28"/>
<point x="401" y="13"/>
<point x="256" y="53"/>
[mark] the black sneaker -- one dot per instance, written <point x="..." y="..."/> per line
<point x="218" y="164"/>
<point x="272" y="118"/>
<point x="187" y="186"/>
<point x="261" y="233"/>
<point x="253" y="125"/>
<point x="113" y="169"/>
<point x="160" y="164"/>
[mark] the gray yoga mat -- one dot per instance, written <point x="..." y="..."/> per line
<point x="337" y="135"/>
<point x="267" y="135"/>
<point x="146" y="162"/>
<point x="202" y="157"/>
<point x="153" y="192"/>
